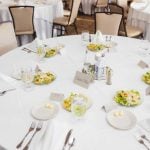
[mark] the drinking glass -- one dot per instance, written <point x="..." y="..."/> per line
<point x="27" y="77"/>
<point x="78" y="107"/>
<point x="85" y="37"/>
<point x="41" y="50"/>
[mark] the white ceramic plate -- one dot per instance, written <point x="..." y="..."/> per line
<point x="125" y="121"/>
<point x="41" y="112"/>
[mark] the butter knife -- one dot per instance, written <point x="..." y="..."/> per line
<point x="67" y="139"/>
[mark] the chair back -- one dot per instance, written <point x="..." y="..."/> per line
<point x="102" y="3"/>
<point x="74" y="11"/>
<point x="115" y="8"/>
<point x="22" y="17"/>
<point x="70" y="4"/>
<point x="7" y="37"/>
<point x="108" y="23"/>
<point x="124" y="4"/>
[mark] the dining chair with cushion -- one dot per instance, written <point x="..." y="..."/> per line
<point x="125" y="30"/>
<point x="100" y="4"/>
<point x="124" y="4"/>
<point x="107" y="23"/>
<point x="22" y="17"/>
<point x="7" y="37"/>
<point x="66" y="21"/>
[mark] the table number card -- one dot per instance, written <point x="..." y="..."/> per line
<point x="148" y="90"/>
<point x="83" y="79"/>
<point x="57" y="96"/>
<point x="142" y="64"/>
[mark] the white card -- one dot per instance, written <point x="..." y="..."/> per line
<point x="148" y="90"/>
<point x="83" y="79"/>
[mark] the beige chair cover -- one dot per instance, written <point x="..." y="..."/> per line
<point x="23" y="20"/>
<point x="101" y="3"/>
<point x="108" y="23"/>
<point x="7" y="37"/>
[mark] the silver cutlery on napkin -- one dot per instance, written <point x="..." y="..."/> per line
<point x="67" y="138"/>
<point x="145" y="138"/>
<point x="33" y="124"/>
<point x="5" y="91"/>
<point x="142" y="142"/>
<point x="27" y="50"/>
<point x="38" y="128"/>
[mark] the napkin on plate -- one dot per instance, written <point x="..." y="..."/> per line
<point x="98" y="38"/>
<point x="52" y="137"/>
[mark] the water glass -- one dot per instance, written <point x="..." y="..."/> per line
<point x="78" y="107"/>
<point x="41" y="51"/>
<point x="85" y="37"/>
<point x="27" y="77"/>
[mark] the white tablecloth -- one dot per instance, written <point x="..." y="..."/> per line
<point x="43" y="16"/>
<point x="139" y="16"/>
<point x="93" y="132"/>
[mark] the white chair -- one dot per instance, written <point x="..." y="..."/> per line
<point x="107" y="23"/>
<point x="7" y="37"/>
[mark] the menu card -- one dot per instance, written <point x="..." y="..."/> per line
<point x="83" y="79"/>
<point x="57" y="96"/>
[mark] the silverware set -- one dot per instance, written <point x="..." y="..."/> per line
<point x="142" y="140"/>
<point x="69" y="141"/>
<point x="5" y="91"/>
<point x="27" y="50"/>
<point x="32" y="128"/>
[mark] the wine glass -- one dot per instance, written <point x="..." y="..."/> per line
<point x="78" y="107"/>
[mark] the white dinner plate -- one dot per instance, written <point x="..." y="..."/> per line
<point x="42" y="112"/>
<point x="125" y="121"/>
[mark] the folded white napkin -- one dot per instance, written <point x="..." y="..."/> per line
<point x="52" y="136"/>
<point x="98" y="38"/>
<point x="5" y="85"/>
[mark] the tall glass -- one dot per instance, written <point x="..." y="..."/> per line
<point x="27" y="77"/>
<point x="85" y="36"/>
<point x="78" y="107"/>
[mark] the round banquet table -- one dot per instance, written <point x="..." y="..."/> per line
<point x="139" y="16"/>
<point x="43" y="16"/>
<point x="92" y="132"/>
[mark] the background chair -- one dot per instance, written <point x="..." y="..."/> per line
<point x="22" y="17"/>
<point x="125" y="30"/>
<point x="67" y="11"/>
<point x="65" y="21"/>
<point x="107" y="23"/>
<point x="100" y="4"/>
<point x="7" y="37"/>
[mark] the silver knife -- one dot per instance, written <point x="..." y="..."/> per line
<point x="67" y="138"/>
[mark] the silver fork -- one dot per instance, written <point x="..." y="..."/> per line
<point x="144" y="137"/>
<point x="4" y="92"/>
<point x="71" y="144"/>
<point x="38" y="128"/>
<point x="30" y="129"/>
<point x="142" y="142"/>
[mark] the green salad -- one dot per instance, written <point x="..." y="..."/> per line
<point x="146" y="77"/>
<point x="128" y="98"/>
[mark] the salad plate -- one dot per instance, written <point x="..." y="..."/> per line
<point x="146" y="77"/>
<point x="42" y="78"/>
<point x="128" y="98"/>
<point x="121" y="119"/>
<point x="96" y="47"/>
<point x="44" y="111"/>
<point x="66" y="103"/>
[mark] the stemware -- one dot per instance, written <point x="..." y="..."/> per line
<point x="85" y="36"/>
<point x="78" y="107"/>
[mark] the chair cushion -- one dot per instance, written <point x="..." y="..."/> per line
<point x="61" y="21"/>
<point x="131" y="31"/>
<point x="67" y="12"/>
<point x="24" y="32"/>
